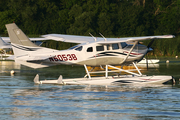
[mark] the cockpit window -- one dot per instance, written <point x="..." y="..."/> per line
<point x="123" y="44"/>
<point x="73" y="47"/>
<point x="100" y="48"/>
<point x="79" y="48"/>
<point x="115" y="46"/>
<point x="90" y="49"/>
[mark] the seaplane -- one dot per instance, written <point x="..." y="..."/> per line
<point x="90" y="51"/>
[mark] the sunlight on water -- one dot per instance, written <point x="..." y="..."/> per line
<point x="22" y="99"/>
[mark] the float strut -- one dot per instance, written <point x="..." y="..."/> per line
<point x="87" y="71"/>
<point x="137" y="69"/>
<point x="106" y="71"/>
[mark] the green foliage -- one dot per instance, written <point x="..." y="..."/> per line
<point x="112" y="18"/>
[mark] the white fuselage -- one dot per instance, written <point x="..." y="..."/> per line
<point x="94" y="54"/>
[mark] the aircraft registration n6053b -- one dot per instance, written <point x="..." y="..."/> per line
<point x="90" y="51"/>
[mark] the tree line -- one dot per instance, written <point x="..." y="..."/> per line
<point x="112" y="18"/>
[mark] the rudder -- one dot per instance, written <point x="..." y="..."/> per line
<point x="17" y="36"/>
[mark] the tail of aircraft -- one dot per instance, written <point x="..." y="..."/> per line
<point x="20" y="42"/>
<point x="17" y="36"/>
<point x="26" y="52"/>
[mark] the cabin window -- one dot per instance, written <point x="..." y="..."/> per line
<point x="115" y="46"/>
<point x="108" y="47"/>
<point x="123" y="44"/>
<point x="100" y="48"/>
<point x="90" y="49"/>
<point x="79" y="48"/>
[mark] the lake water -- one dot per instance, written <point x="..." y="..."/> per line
<point x="21" y="99"/>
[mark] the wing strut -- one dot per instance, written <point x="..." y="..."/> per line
<point x="103" y="37"/>
<point x="87" y="71"/>
<point x="137" y="69"/>
<point x="93" y="37"/>
<point x="129" y="52"/>
<point x="106" y="71"/>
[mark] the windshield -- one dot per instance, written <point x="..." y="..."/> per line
<point x="79" y="48"/>
<point x="123" y="44"/>
<point x="73" y="47"/>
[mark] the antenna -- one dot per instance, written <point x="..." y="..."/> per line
<point x="93" y="37"/>
<point x="103" y="37"/>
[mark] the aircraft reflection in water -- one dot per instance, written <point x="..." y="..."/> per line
<point x="91" y="51"/>
<point x="32" y="102"/>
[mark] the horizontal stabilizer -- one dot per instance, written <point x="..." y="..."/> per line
<point x="33" y="65"/>
<point x="35" y="58"/>
<point x="10" y="57"/>
<point x="30" y="58"/>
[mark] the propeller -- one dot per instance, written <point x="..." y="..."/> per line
<point x="146" y="61"/>
<point x="149" y="49"/>
<point x="149" y="45"/>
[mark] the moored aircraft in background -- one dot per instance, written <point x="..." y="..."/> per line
<point x="4" y="44"/>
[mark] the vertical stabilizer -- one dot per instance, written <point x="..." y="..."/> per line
<point x="17" y="36"/>
<point x="21" y="44"/>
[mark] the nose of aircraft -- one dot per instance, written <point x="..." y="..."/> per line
<point x="149" y="49"/>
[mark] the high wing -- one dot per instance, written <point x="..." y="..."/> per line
<point x="7" y="39"/>
<point x="100" y="40"/>
<point x="69" y="38"/>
